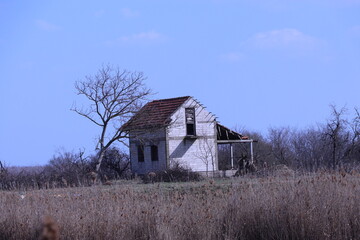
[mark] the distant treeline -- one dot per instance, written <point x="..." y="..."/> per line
<point x="66" y="169"/>
<point x="332" y="145"/>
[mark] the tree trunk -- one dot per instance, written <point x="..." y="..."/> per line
<point x="100" y="158"/>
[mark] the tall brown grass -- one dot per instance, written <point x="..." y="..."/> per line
<point x="322" y="206"/>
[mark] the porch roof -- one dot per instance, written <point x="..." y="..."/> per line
<point x="225" y="134"/>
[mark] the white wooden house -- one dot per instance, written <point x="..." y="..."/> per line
<point x="176" y="130"/>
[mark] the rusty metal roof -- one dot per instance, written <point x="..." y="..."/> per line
<point x="155" y="114"/>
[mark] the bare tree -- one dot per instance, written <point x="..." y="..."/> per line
<point x="355" y="126"/>
<point x="115" y="163"/>
<point x="281" y="144"/>
<point x="336" y="134"/>
<point x="354" y="145"/>
<point x="69" y="168"/>
<point x="114" y="97"/>
<point x="3" y="171"/>
<point x="2" y="168"/>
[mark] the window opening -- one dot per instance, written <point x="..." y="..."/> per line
<point x="190" y="121"/>
<point x="140" y="150"/>
<point x="154" y="153"/>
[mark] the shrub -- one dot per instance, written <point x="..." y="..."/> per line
<point x="177" y="173"/>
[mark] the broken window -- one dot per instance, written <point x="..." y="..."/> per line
<point x="190" y="121"/>
<point x="154" y="153"/>
<point x="140" y="151"/>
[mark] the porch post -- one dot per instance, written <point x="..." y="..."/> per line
<point x="232" y="155"/>
<point x="251" y="152"/>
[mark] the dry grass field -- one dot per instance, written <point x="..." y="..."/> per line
<point x="321" y="206"/>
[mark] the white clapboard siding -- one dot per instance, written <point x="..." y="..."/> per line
<point x="197" y="153"/>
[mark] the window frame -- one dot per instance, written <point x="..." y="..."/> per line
<point x="189" y="123"/>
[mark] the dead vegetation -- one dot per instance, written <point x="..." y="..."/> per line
<point x="319" y="206"/>
<point x="176" y="173"/>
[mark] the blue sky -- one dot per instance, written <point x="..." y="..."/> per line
<point x="254" y="63"/>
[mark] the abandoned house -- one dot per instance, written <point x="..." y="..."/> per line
<point x="177" y="130"/>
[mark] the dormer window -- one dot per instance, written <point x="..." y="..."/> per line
<point x="190" y="121"/>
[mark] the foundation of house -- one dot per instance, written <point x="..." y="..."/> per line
<point x="218" y="174"/>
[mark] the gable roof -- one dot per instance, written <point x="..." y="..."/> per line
<point x="155" y="114"/>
